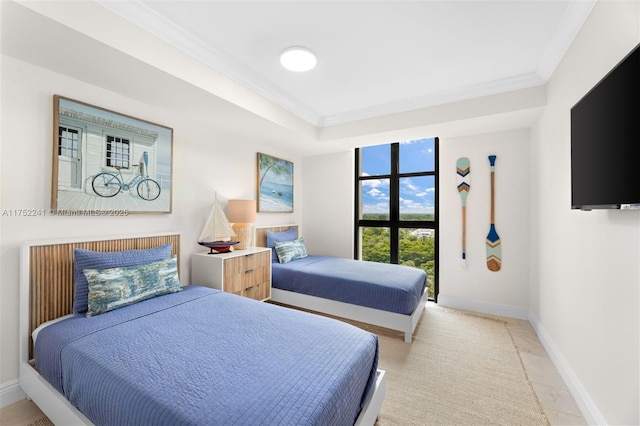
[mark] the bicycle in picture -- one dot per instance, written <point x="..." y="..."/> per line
<point x="109" y="184"/>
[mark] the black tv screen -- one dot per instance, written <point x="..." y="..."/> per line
<point x="605" y="141"/>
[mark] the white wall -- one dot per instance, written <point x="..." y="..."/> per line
<point x="585" y="280"/>
<point x="205" y="160"/>
<point x="505" y="292"/>
<point x="327" y="204"/>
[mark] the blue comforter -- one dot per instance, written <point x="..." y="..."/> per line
<point x="204" y="357"/>
<point x="392" y="288"/>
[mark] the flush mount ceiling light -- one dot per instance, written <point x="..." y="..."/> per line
<point x="298" y="59"/>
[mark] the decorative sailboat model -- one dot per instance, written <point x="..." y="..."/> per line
<point x="217" y="232"/>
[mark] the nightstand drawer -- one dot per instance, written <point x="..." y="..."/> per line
<point x="257" y="291"/>
<point x="257" y="267"/>
<point x="243" y="272"/>
<point x="246" y="271"/>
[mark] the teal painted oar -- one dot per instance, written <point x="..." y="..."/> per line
<point x="463" y="170"/>
<point x="494" y="250"/>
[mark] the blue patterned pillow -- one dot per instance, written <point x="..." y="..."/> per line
<point x="276" y="237"/>
<point x="87" y="259"/>
<point x="291" y="250"/>
<point x="114" y="288"/>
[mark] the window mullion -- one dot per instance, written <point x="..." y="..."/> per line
<point x="357" y="211"/>
<point x="394" y="195"/>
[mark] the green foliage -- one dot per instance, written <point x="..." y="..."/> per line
<point x="375" y="216"/>
<point x="375" y="245"/>
<point x="415" y="251"/>
<point x="417" y="216"/>
<point x="403" y="216"/>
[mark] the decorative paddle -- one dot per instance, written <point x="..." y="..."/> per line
<point x="463" y="170"/>
<point x="494" y="251"/>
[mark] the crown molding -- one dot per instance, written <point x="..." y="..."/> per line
<point x="438" y="98"/>
<point x="573" y="18"/>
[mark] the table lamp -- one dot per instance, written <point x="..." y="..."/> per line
<point x="242" y="213"/>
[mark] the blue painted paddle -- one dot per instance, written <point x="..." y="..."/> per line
<point x="494" y="251"/>
<point x="463" y="170"/>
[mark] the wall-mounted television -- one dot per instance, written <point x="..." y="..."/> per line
<point x="605" y="141"/>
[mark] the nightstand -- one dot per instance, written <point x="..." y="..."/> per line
<point x="243" y="272"/>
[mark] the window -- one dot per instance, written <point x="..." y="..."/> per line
<point x="396" y="206"/>
<point x="117" y="152"/>
<point x="68" y="142"/>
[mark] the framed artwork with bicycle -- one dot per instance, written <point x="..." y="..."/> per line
<point x="104" y="161"/>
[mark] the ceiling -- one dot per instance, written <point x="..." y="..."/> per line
<point x="375" y="58"/>
<point x="387" y="70"/>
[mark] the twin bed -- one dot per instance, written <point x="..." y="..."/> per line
<point x="385" y="295"/>
<point x="179" y="355"/>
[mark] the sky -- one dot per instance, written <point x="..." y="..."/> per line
<point x="417" y="194"/>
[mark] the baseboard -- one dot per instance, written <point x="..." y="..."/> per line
<point x="589" y="410"/>
<point x="11" y="392"/>
<point x="466" y="304"/>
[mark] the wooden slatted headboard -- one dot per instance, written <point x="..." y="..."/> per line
<point x="47" y="274"/>
<point x="261" y="233"/>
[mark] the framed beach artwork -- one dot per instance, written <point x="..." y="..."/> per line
<point x="108" y="164"/>
<point x="275" y="184"/>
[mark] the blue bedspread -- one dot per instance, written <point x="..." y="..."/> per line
<point x="204" y="357"/>
<point x="388" y="287"/>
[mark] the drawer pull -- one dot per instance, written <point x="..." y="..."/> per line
<point x="248" y="271"/>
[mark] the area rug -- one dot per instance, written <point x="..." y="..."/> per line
<point x="460" y="369"/>
<point x="42" y="422"/>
